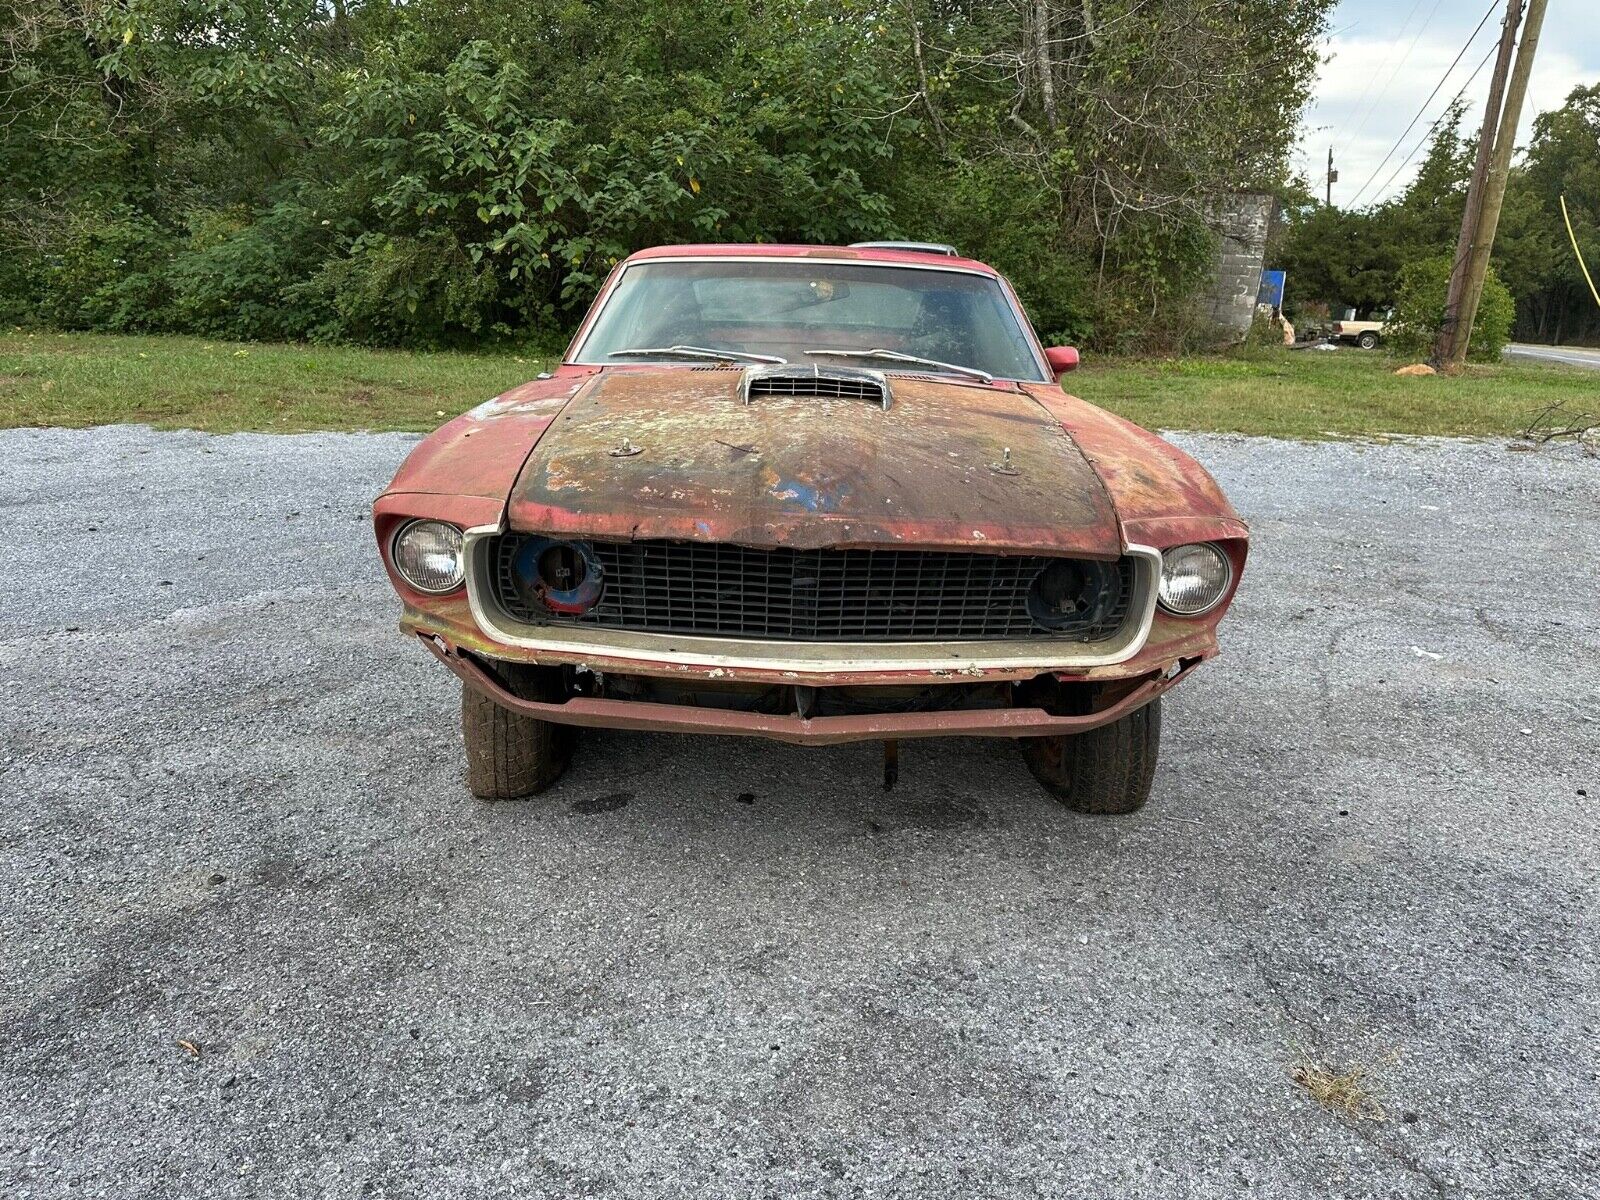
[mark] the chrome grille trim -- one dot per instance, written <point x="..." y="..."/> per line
<point x="580" y="644"/>
<point x="717" y="589"/>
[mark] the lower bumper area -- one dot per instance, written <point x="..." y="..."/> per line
<point x="815" y="731"/>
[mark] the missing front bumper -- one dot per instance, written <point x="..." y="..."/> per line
<point x="595" y="712"/>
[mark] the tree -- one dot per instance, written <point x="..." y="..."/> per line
<point x="446" y="171"/>
<point x="1357" y="257"/>
<point x="1354" y="258"/>
<point x="1109" y="127"/>
<point x="1533" y="252"/>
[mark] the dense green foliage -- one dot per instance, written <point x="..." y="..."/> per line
<point x="1359" y="258"/>
<point x="456" y="171"/>
<point x="1533" y="251"/>
<point x="1419" y="309"/>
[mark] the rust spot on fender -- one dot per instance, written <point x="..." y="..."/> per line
<point x="1161" y="494"/>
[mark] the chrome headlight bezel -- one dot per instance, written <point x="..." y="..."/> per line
<point x="431" y="587"/>
<point x="1171" y="555"/>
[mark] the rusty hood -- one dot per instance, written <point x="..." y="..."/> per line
<point x="678" y="453"/>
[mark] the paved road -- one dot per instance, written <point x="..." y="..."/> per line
<point x="231" y="813"/>
<point x="1572" y="356"/>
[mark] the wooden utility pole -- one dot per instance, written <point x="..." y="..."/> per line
<point x="1333" y="177"/>
<point x="1444" y="344"/>
<point x="1487" y="192"/>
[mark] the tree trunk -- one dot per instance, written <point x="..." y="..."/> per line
<point x="922" y="75"/>
<point x="1044" y="60"/>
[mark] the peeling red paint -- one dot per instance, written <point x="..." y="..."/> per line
<point x="480" y="452"/>
<point x="808" y="471"/>
<point x="1163" y="497"/>
<point x="640" y="451"/>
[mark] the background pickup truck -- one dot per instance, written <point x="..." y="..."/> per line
<point x="1366" y="334"/>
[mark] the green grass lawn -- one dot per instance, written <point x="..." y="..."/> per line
<point x="195" y="383"/>
<point x="1314" y="394"/>
<point x="172" y="382"/>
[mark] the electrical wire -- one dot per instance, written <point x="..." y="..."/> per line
<point x="1373" y="78"/>
<point x="1405" y="132"/>
<point x="1393" y="175"/>
<point x="1366" y="114"/>
<point x="1593" y="291"/>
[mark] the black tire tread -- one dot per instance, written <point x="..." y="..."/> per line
<point x="510" y="756"/>
<point x="1107" y="770"/>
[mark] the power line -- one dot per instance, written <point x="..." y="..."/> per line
<point x="1404" y="58"/>
<point x="1437" y="122"/>
<point x="1373" y="78"/>
<point x="1447" y="71"/>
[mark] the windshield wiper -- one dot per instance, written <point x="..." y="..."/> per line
<point x="697" y="352"/>
<point x="896" y="356"/>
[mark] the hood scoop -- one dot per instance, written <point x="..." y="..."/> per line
<point x="834" y="383"/>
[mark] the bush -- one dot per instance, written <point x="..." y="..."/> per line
<point x="1265" y="330"/>
<point x="237" y="277"/>
<point x="104" y="272"/>
<point x="450" y="172"/>
<point x="397" y="290"/>
<point x="1420" y="305"/>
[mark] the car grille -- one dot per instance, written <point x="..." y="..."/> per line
<point x="713" y="589"/>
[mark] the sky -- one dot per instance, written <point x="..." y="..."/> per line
<point x="1383" y="57"/>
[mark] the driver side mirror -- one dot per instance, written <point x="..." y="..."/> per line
<point x="1061" y="359"/>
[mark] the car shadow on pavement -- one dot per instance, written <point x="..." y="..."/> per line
<point x="943" y="783"/>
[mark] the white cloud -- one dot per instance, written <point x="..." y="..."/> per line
<point x="1369" y="89"/>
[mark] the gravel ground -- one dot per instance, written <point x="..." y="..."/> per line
<point x="231" y="812"/>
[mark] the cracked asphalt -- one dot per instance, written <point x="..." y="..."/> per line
<point x="232" y="815"/>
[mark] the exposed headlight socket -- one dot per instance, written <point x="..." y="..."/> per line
<point x="565" y="577"/>
<point x="1073" y="593"/>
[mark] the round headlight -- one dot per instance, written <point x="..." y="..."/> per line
<point x="1193" y="578"/>
<point x="428" y="556"/>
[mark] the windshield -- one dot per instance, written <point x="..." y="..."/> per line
<point x="801" y="311"/>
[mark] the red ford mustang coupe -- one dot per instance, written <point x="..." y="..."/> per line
<point x="818" y="494"/>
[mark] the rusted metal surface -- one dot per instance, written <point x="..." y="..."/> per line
<point x="642" y="451"/>
<point x="480" y="452"/>
<point x="450" y="619"/>
<point x="883" y="254"/>
<point x="645" y="715"/>
<point x="808" y="471"/>
<point x="1162" y="496"/>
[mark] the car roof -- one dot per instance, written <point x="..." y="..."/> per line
<point x="868" y="254"/>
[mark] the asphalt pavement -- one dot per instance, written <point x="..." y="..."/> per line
<point x="258" y="940"/>
<point x="1572" y="356"/>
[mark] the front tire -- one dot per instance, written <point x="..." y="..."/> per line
<point x="1104" y="770"/>
<point x="511" y="756"/>
<point x="1368" y="341"/>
